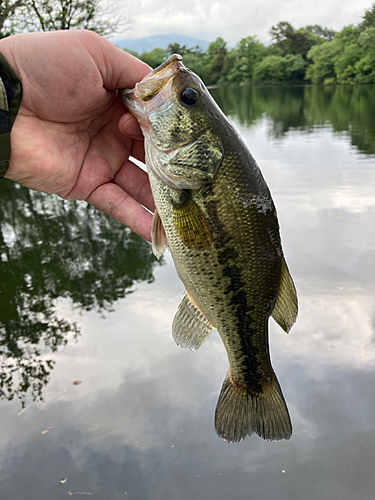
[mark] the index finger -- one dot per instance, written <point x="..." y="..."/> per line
<point x="114" y="201"/>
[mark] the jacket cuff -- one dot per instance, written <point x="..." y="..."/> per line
<point x="10" y="100"/>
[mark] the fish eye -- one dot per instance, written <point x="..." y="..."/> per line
<point x="189" y="96"/>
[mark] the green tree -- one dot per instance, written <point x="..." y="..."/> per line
<point x="200" y="64"/>
<point x="281" y="33"/>
<point x="301" y="42"/>
<point x="295" y="67"/>
<point x="50" y="15"/>
<point x="131" y="52"/>
<point x="229" y="73"/>
<point x="194" y="58"/>
<point x="291" y="41"/>
<point x="271" y="69"/>
<point x="240" y="62"/>
<point x="368" y="18"/>
<point x="276" y="69"/>
<point x="319" y="31"/>
<point x="349" y="55"/>
<point x="346" y="63"/>
<point x="349" y="34"/>
<point x="323" y="57"/>
<point x="155" y="57"/>
<point x="7" y="13"/>
<point x="365" y="67"/>
<point x="217" y="52"/>
<point x="176" y="48"/>
<point x="348" y="59"/>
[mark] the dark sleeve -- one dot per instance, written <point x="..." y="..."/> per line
<point x="10" y="100"/>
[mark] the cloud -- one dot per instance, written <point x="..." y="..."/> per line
<point x="237" y="19"/>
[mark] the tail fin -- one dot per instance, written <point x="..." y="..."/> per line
<point x="239" y="413"/>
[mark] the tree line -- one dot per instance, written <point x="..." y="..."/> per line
<point x="312" y="54"/>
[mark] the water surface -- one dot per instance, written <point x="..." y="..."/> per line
<point x="113" y="409"/>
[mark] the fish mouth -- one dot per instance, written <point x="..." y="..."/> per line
<point x="151" y="85"/>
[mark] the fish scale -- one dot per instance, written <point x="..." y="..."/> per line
<point x="215" y="212"/>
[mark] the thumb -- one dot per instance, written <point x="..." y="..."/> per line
<point x="118" y="68"/>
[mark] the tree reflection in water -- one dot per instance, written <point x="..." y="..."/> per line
<point x="50" y="249"/>
<point x="348" y="109"/>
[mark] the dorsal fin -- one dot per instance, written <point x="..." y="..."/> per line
<point x="190" y="327"/>
<point x="286" y="307"/>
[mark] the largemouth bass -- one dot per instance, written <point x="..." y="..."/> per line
<point x="215" y="212"/>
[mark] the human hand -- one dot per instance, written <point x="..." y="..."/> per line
<point x="73" y="135"/>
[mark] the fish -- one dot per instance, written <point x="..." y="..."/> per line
<point x="215" y="212"/>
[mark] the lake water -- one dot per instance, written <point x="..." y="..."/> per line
<point x="97" y="400"/>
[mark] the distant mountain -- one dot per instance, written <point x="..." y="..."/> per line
<point x="148" y="43"/>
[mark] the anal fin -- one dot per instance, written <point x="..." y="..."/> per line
<point x="286" y="307"/>
<point x="190" y="327"/>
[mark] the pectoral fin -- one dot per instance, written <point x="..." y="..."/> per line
<point x="158" y="236"/>
<point x="286" y="307"/>
<point x="190" y="327"/>
<point x="190" y="224"/>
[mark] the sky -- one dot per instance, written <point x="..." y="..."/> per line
<point x="236" y="19"/>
